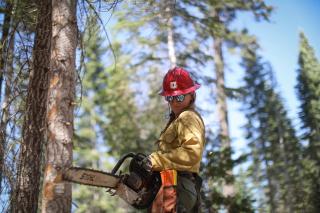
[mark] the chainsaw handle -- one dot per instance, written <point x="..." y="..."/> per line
<point x="123" y="158"/>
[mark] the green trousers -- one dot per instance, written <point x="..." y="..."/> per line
<point x="187" y="196"/>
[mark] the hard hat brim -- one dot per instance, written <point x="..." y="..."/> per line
<point x="180" y="92"/>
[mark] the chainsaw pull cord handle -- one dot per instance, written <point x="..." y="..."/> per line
<point x="123" y="158"/>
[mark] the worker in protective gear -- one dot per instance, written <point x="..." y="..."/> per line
<point x="180" y="147"/>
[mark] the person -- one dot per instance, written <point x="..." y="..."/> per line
<point x="180" y="147"/>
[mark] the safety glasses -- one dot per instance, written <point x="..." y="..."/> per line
<point x="179" y="98"/>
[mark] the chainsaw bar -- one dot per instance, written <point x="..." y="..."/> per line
<point x="91" y="177"/>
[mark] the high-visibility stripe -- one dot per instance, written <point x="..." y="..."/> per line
<point x="169" y="177"/>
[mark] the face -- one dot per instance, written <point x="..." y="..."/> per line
<point x="178" y="107"/>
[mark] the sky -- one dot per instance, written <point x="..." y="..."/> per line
<point x="279" y="40"/>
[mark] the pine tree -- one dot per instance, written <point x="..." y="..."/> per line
<point x="191" y="31"/>
<point x="86" y="144"/>
<point x="308" y="89"/>
<point x="150" y="52"/>
<point x="16" y="63"/>
<point x="4" y="40"/>
<point x="28" y="180"/>
<point x="3" y="55"/>
<point x="275" y="149"/>
<point x="108" y="117"/>
<point x="220" y="16"/>
<point x="56" y="196"/>
<point x="212" y="27"/>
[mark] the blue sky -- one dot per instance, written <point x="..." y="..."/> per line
<point x="279" y="40"/>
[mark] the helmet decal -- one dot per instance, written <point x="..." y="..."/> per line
<point x="173" y="85"/>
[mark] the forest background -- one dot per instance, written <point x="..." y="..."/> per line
<point x="82" y="88"/>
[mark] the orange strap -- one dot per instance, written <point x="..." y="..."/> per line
<point x="169" y="177"/>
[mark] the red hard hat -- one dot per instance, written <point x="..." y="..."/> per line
<point x="177" y="81"/>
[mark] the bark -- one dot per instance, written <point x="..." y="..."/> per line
<point x="3" y="45"/>
<point x="33" y="134"/>
<point x="5" y="111"/>
<point x="61" y="97"/>
<point x="222" y="110"/>
<point x="5" y="33"/>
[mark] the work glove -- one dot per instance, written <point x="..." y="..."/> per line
<point x="146" y="164"/>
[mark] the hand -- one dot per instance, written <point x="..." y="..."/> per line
<point x="146" y="164"/>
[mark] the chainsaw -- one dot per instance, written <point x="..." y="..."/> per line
<point x="138" y="187"/>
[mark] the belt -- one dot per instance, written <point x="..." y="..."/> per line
<point x="190" y="175"/>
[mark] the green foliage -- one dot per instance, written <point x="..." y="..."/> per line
<point x="214" y="25"/>
<point x="90" y="149"/>
<point x="121" y="112"/>
<point x="308" y="88"/>
<point x="97" y="200"/>
<point x="114" y="117"/>
<point x="215" y="171"/>
<point x="275" y="150"/>
<point x="309" y="92"/>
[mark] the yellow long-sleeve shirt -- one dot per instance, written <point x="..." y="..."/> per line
<point x="180" y="146"/>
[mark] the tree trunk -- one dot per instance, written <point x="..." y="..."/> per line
<point x="5" y="112"/>
<point x="170" y="30"/>
<point x="289" y="198"/>
<point x="61" y="95"/>
<point x="5" y="33"/>
<point x="222" y="110"/>
<point x="33" y="134"/>
<point x="3" y="45"/>
<point x="271" y="185"/>
<point x="166" y="17"/>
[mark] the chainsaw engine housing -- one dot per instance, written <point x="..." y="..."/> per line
<point x="143" y="182"/>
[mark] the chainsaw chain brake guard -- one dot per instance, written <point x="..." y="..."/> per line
<point x="145" y="183"/>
